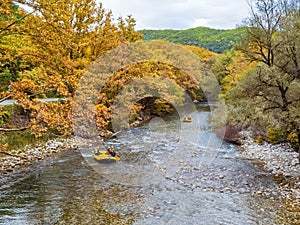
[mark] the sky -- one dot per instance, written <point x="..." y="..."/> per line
<point x="181" y="14"/>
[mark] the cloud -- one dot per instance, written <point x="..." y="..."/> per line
<point x="200" y="22"/>
<point x="181" y="14"/>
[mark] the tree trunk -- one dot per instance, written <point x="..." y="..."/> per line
<point x="298" y="135"/>
<point x="285" y="103"/>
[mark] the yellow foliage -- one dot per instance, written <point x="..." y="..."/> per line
<point x="202" y="53"/>
<point x="276" y="135"/>
<point x="55" y="45"/>
<point x="292" y="137"/>
<point x="236" y="69"/>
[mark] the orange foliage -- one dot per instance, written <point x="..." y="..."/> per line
<point x="62" y="39"/>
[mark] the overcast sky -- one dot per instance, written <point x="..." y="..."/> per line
<point x="181" y="14"/>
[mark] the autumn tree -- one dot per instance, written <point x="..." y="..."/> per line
<point x="271" y="89"/>
<point x="11" y="43"/>
<point x="162" y="83"/>
<point x="11" y="15"/>
<point x="204" y="54"/>
<point x="149" y="77"/>
<point x="64" y="38"/>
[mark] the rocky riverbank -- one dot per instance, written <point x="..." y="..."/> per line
<point x="24" y="157"/>
<point x="281" y="160"/>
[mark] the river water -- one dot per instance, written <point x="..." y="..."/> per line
<point x="170" y="173"/>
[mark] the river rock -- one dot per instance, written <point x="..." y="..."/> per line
<point x="280" y="160"/>
<point x="30" y="154"/>
<point x="295" y="162"/>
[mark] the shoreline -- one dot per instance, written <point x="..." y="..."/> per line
<point x="29" y="155"/>
<point x="32" y="154"/>
<point x="279" y="160"/>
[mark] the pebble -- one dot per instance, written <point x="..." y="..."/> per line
<point x="29" y="154"/>
<point x="294" y="162"/>
<point x="279" y="160"/>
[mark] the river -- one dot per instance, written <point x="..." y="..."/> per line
<point x="170" y="173"/>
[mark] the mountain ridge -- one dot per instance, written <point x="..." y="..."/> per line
<point x="215" y="40"/>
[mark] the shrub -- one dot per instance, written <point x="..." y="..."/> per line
<point x="292" y="138"/>
<point x="276" y="135"/>
<point x="258" y="139"/>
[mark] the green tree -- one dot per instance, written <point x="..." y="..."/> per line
<point x="271" y="90"/>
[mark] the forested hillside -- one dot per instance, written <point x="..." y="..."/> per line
<point x="212" y="39"/>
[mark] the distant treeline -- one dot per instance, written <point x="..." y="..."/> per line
<point x="212" y="39"/>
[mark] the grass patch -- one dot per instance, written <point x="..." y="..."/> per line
<point x="20" y="139"/>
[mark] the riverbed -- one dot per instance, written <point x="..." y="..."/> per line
<point x="170" y="173"/>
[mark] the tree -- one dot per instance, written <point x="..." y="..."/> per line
<point x="65" y="37"/>
<point x="10" y="16"/>
<point x="143" y="76"/>
<point x="229" y="68"/>
<point x="271" y="41"/>
<point x="11" y="43"/>
<point x="153" y="78"/>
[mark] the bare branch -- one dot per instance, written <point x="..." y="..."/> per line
<point x="5" y="98"/>
<point x="16" y="21"/>
<point x="13" y="129"/>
